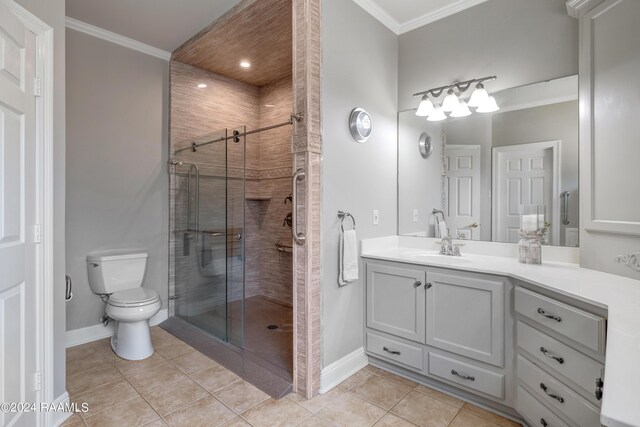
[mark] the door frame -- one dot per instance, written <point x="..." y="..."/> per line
<point x="44" y="180"/>
<point x="555" y="187"/>
<point x="477" y="189"/>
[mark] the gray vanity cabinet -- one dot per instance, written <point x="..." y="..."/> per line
<point x="465" y="315"/>
<point x="396" y="300"/>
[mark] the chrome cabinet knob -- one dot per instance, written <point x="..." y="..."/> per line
<point x="417" y="284"/>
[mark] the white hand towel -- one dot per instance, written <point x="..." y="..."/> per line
<point x="348" y="257"/>
<point x="442" y="226"/>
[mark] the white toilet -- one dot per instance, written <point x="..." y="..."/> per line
<point x="117" y="277"/>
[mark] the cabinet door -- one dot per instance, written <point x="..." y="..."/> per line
<point x="466" y="316"/>
<point x="396" y="300"/>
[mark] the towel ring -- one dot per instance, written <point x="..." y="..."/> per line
<point x="342" y="215"/>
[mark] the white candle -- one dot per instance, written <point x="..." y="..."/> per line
<point x="530" y="222"/>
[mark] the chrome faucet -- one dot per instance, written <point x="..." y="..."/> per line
<point x="447" y="247"/>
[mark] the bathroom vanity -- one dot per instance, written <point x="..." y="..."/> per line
<point x="528" y="341"/>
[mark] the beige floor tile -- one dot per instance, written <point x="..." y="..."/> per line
<point x="157" y="423"/>
<point x="241" y="396"/>
<point x="236" y="422"/>
<point x="80" y="352"/>
<point x="175" y="396"/>
<point x="73" y="421"/>
<point x="391" y="420"/>
<point x="91" y="361"/>
<point x="129" y="368"/>
<point x="207" y="412"/>
<point x="350" y="411"/>
<point x="173" y="351"/>
<point x="85" y="380"/>
<point x="317" y="402"/>
<point x="424" y="410"/>
<point x="276" y="413"/>
<point x="134" y="413"/>
<point x="393" y="377"/>
<point x="453" y="401"/>
<point x="354" y="380"/>
<point x="315" y="421"/>
<point x="216" y="378"/>
<point x="381" y="391"/>
<point x="101" y="398"/>
<point x="156" y="377"/>
<point x="489" y="416"/>
<point x="467" y="419"/>
<point x="193" y="362"/>
<point x="160" y="337"/>
<point x="103" y="347"/>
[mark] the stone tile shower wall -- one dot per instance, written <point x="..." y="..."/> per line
<point x="195" y="112"/>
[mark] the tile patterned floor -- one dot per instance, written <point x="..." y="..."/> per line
<point x="179" y="386"/>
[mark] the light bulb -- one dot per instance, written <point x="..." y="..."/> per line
<point x="479" y="96"/>
<point x="461" y="110"/>
<point x="450" y="102"/>
<point x="489" y="106"/>
<point x="437" y="114"/>
<point x="425" y="108"/>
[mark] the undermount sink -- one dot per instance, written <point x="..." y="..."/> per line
<point x="424" y="255"/>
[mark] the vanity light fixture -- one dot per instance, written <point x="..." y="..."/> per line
<point x="425" y="108"/>
<point x="453" y="103"/>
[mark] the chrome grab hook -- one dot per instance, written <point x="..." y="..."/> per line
<point x="299" y="238"/>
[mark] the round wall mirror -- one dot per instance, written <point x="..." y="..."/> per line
<point x="360" y="124"/>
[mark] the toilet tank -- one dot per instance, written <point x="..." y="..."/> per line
<point x="112" y="271"/>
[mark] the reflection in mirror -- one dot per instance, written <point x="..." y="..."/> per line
<point x="484" y="167"/>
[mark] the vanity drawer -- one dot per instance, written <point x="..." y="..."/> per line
<point x="557" y="395"/>
<point x="535" y="412"/>
<point x="468" y="375"/>
<point x="559" y="357"/>
<point x="578" y="325"/>
<point x="397" y="351"/>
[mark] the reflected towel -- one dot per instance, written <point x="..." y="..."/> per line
<point x="348" y="261"/>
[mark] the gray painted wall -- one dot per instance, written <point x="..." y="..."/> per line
<point x="117" y="184"/>
<point x="538" y="41"/>
<point x="356" y="177"/>
<point x="52" y="13"/>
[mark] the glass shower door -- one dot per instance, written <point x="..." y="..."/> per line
<point x="209" y="249"/>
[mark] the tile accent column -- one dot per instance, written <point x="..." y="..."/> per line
<point x="307" y="149"/>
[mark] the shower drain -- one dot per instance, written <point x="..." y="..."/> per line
<point x="272" y="327"/>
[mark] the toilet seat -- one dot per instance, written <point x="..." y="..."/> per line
<point x="137" y="297"/>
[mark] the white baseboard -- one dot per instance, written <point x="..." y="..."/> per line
<point x="342" y="369"/>
<point x="97" y="332"/>
<point x="57" y="418"/>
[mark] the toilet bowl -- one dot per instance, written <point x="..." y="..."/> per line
<point x="117" y="276"/>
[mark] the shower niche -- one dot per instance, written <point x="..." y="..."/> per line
<point x="230" y="170"/>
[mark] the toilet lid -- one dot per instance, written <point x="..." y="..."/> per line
<point x="133" y="297"/>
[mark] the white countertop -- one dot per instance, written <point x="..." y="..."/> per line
<point x="619" y="295"/>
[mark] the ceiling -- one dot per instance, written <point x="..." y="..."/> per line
<point x="401" y="16"/>
<point x="163" y="24"/>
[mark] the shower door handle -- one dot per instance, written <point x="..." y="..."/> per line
<point x="299" y="238"/>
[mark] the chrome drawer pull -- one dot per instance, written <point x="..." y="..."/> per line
<point x="391" y="351"/>
<point x="549" y="316"/>
<point x="543" y="422"/>
<point x="551" y="395"/>
<point x="464" y="377"/>
<point x="558" y="359"/>
<point x="417" y="284"/>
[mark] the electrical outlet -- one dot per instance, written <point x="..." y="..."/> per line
<point x="376" y="217"/>
<point x="415" y="215"/>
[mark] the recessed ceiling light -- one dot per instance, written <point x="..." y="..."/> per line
<point x="202" y="85"/>
<point x="269" y="105"/>
<point x="245" y="64"/>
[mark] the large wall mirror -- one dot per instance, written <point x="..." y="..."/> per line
<point x="484" y="167"/>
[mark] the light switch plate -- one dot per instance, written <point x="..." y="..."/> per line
<point x="376" y="217"/>
<point x="415" y="215"/>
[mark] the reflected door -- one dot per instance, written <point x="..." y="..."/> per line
<point x="462" y="190"/>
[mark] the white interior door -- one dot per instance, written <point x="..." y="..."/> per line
<point x="462" y="191"/>
<point x="525" y="174"/>
<point x="19" y="255"/>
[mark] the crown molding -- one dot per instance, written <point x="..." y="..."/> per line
<point x="103" y="34"/>
<point x="438" y="14"/>
<point x="373" y="9"/>
<point x="577" y="8"/>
